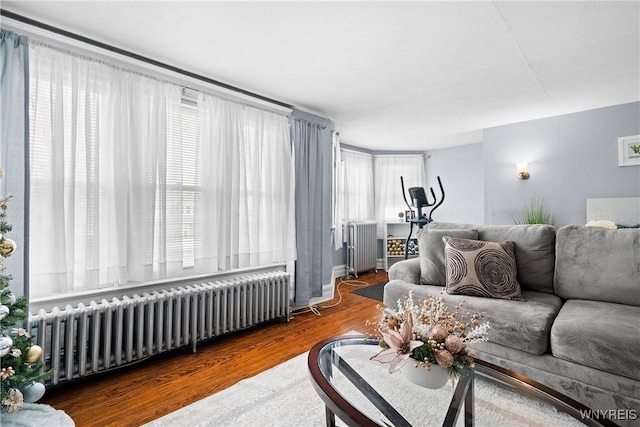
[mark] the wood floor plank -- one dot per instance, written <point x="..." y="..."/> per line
<point x="137" y="394"/>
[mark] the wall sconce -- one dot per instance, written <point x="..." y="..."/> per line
<point x="522" y="170"/>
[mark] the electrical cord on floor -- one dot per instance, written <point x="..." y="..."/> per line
<point x="315" y="309"/>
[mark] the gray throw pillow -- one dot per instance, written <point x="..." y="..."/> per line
<point x="431" y="250"/>
<point x="479" y="268"/>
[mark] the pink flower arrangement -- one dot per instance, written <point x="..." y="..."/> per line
<point x="401" y="345"/>
<point x="428" y="332"/>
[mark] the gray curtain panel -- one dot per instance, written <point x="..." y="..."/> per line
<point x="14" y="150"/>
<point x="312" y="147"/>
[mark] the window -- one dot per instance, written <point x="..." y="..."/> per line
<point x="371" y="185"/>
<point x="128" y="184"/>
<point x="358" y="186"/>
<point x="389" y="200"/>
<point x="188" y="182"/>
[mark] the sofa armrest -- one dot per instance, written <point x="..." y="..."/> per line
<point x="407" y="270"/>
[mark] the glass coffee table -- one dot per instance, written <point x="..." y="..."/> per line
<point x="361" y="392"/>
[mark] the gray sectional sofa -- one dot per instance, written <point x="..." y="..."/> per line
<point x="578" y="328"/>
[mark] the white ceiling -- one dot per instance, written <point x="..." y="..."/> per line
<point x="391" y="75"/>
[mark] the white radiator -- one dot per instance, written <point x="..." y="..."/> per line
<point x="362" y="246"/>
<point x="89" y="339"/>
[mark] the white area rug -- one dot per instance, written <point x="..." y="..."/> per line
<point x="284" y="396"/>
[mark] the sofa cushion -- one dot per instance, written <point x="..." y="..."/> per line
<point x="521" y="325"/>
<point x="534" y="249"/>
<point x="598" y="264"/>
<point x="483" y="269"/>
<point x="593" y="388"/>
<point x="407" y="270"/>
<point x="601" y="335"/>
<point x="431" y="249"/>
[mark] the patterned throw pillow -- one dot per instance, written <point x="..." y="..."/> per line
<point x="479" y="268"/>
<point x="431" y="250"/>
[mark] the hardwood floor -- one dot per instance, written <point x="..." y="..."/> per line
<point x="140" y="393"/>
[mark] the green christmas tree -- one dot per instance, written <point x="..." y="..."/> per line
<point x="21" y="364"/>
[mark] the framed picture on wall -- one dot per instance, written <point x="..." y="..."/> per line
<point x="409" y="215"/>
<point x="629" y="150"/>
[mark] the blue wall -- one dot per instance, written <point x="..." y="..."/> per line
<point x="461" y="170"/>
<point x="571" y="158"/>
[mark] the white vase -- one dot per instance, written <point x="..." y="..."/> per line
<point x="437" y="377"/>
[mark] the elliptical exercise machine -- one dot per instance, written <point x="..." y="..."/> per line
<point x="419" y="201"/>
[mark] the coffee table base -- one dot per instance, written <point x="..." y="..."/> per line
<point x="323" y="360"/>
<point x="463" y="391"/>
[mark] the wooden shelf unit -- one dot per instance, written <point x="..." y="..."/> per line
<point x="395" y="238"/>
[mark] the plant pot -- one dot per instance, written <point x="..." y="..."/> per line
<point x="437" y="377"/>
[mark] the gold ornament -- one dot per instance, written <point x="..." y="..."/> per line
<point x="1" y="173"/>
<point x="7" y="246"/>
<point x="33" y="354"/>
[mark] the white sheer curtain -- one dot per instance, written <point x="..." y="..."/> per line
<point x="358" y="186"/>
<point x="130" y="183"/>
<point x="388" y="170"/>
<point x="141" y="180"/>
<point x="245" y="212"/>
<point x="98" y="142"/>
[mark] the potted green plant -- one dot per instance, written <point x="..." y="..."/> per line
<point x="536" y="212"/>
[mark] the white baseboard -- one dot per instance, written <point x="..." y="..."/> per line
<point x="328" y="289"/>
